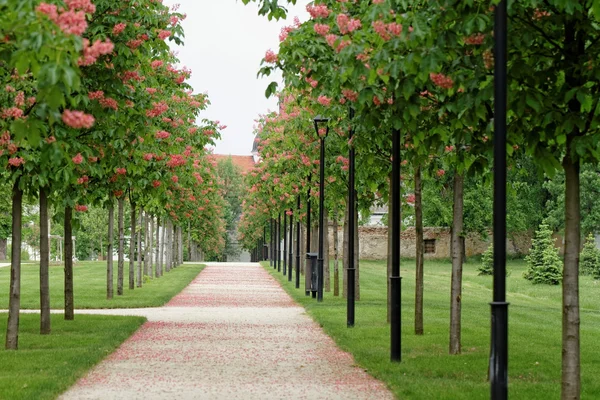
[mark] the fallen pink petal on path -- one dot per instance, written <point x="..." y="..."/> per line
<point x="233" y="333"/>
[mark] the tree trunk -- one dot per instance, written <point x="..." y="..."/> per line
<point x="168" y="246"/>
<point x="419" y="253"/>
<point x="132" y="248"/>
<point x="189" y="241"/>
<point x="3" y="242"/>
<point x="109" y="253"/>
<point x="456" y="250"/>
<point x="45" y="325"/>
<point x="571" y="378"/>
<point x="326" y="270"/>
<point x="345" y="237"/>
<point x="139" y="255"/>
<point x="180" y="231"/>
<point x="336" y="255"/>
<point x="146" y="271"/>
<point x="356" y="260"/>
<point x="14" y="301"/>
<point x="121" y="259"/>
<point x="161" y="249"/>
<point x="151" y="266"/>
<point x="68" y="236"/>
<point x="158" y="251"/>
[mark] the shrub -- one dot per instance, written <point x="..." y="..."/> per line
<point x="589" y="259"/>
<point x="543" y="262"/>
<point x="487" y="262"/>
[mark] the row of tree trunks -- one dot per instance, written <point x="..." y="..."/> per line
<point x="139" y="256"/>
<point x="132" y="249"/>
<point x="14" y="300"/>
<point x="120" y="255"/>
<point x="109" y="253"/>
<point x="336" y="262"/>
<point x="68" y="235"/>
<point x="45" y="325"/>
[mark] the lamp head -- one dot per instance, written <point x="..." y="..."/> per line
<point x="321" y="124"/>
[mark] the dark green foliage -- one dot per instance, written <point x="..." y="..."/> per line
<point x="487" y="262"/>
<point x="543" y="262"/>
<point x="589" y="259"/>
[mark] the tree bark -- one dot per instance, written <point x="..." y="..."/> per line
<point x="336" y="255"/>
<point x="132" y="248"/>
<point x="45" y="325"/>
<point x="456" y="250"/>
<point x="571" y="374"/>
<point x="151" y="265"/>
<point x="180" y="232"/>
<point x="419" y="252"/>
<point x="139" y="255"/>
<point x="68" y="236"/>
<point x="121" y="258"/>
<point x="14" y="301"/>
<point x="161" y="251"/>
<point x="3" y="242"/>
<point x="109" y="253"/>
<point x="158" y="249"/>
<point x="189" y="242"/>
<point x="146" y="270"/>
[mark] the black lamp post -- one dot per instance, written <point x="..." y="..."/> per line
<point x="395" y="280"/>
<point x="278" y="239"/>
<point x="351" y="228"/>
<point x="291" y="246"/>
<point x="298" y="247"/>
<point x="285" y="244"/>
<point x="307" y="267"/>
<point x="320" y="121"/>
<point x="499" y="347"/>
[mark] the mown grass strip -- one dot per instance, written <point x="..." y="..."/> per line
<point x="90" y="287"/>
<point x="427" y="371"/>
<point x="45" y="366"/>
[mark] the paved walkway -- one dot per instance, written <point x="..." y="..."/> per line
<point x="233" y="333"/>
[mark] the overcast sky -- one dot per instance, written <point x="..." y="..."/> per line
<point x="224" y="44"/>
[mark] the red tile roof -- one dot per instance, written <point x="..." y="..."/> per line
<point x="245" y="163"/>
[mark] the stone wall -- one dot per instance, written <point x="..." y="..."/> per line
<point x="373" y="243"/>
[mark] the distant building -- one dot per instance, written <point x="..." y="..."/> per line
<point x="245" y="163"/>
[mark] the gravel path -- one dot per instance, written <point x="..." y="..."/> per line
<point x="233" y="333"/>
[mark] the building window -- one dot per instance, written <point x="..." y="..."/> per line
<point x="429" y="246"/>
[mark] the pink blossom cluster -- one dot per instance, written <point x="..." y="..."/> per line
<point x="20" y="99"/>
<point x="350" y="94"/>
<point x="109" y="103"/>
<point x="324" y="100"/>
<point x="270" y="57"/>
<point x="318" y="11"/>
<point x="80" y="208"/>
<point x="285" y="31"/>
<point x="331" y="38"/>
<point x="70" y="21"/>
<point x="77" y="119"/>
<point x="83" y="180"/>
<point x="156" y="64"/>
<point x="78" y="159"/>
<point x="96" y="95"/>
<point x="155" y="183"/>
<point x="5" y="138"/>
<point x="475" y="39"/>
<point x="175" y="160"/>
<point x="12" y="112"/>
<point x="16" y="161"/>
<point x="121" y="171"/>
<point x="132" y="76"/>
<point x="347" y="24"/>
<point x="91" y="53"/>
<point x="175" y="178"/>
<point x="441" y="80"/>
<point x="321" y="29"/>
<point x="148" y="156"/>
<point x="158" y="108"/>
<point x="163" y="34"/>
<point x="162" y="135"/>
<point x="119" y="28"/>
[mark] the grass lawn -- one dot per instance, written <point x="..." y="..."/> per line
<point x="90" y="287"/>
<point x="45" y="366"/>
<point x="427" y="371"/>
